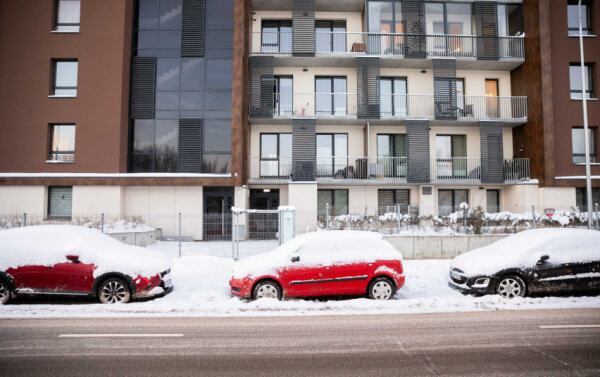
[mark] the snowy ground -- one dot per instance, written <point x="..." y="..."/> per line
<point x="201" y="276"/>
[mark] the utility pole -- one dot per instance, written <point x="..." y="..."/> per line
<point x="586" y="135"/>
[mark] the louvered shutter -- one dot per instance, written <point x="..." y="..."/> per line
<point x="143" y="73"/>
<point x="444" y="88"/>
<point x="459" y="146"/>
<point x="261" y="87"/>
<point x="417" y="135"/>
<point x="192" y="28"/>
<point x="304" y="158"/>
<point x="385" y="201"/>
<point x="189" y="158"/>
<point x="303" y="27"/>
<point x="415" y="41"/>
<point x="367" y="76"/>
<point x="486" y="27"/>
<point x="492" y="155"/>
<point x="60" y="200"/>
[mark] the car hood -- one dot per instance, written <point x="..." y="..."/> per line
<point x="260" y="265"/>
<point x="490" y="260"/>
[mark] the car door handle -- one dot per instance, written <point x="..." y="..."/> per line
<point x="49" y="267"/>
<point x="320" y="275"/>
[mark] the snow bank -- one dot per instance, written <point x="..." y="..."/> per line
<point x="326" y="248"/>
<point x="525" y="248"/>
<point x="47" y="245"/>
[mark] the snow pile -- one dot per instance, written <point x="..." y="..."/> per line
<point x="525" y="249"/>
<point x="324" y="248"/>
<point x="47" y="245"/>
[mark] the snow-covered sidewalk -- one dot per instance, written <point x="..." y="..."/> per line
<point x="201" y="288"/>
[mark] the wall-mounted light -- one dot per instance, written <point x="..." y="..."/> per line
<point x="304" y="69"/>
<point x="266" y="190"/>
<point x="423" y="71"/>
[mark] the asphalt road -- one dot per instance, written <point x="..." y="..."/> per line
<point x="453" y="344"/>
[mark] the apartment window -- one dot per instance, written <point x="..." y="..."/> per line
<point x="337" y="200"/>
<point x="392" y="96"/>
<point x="62" y="142"/>
<point x="276" y="36"/>
<point x="573" y="17"/>
<point x="391" y="155"/>
<point x="283" y="91"/>
<point x="60" y="199"/>
<point x="581" y="197"/>
<point x="65" y="78"/>
<point x="155" y="146"/>
<point x="330" y="36"/>
<point x="67" y="15"/>
<point x="330" y="96"/>
<point x="332" y="155"/>
<point x="492" y="201"/>
<point x="510" y="19"/>
<point x="578" y="139"/>
<point x="492" y="102"/>
<point x="451" y="156"/>
<point x="275" y="155"/>
<point x="385" y="27"/>
<point x="575" y="79"/>
<point x="388" y="201"/>
<point x="449" y="201"/>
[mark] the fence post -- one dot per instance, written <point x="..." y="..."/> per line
<point x="597" y="216"/>
<point x="533" y="216"/>
<point x="398" y="216"/>
<point x="102" y="222"/>
<point x="327" y="216"/>
<point x="179" y="234"/>
<point x="25" y="218"/>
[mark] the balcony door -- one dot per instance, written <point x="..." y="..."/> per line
<point x="491" y="98"/>
<point x="332" y="155"/>
<point x="276" y="36"/>
<point x="391" y="156"/>
<point x="283" y="93"/>
<point x="449" y="201"/>
<point x="392" y="97"/>
<point x="275" y="155"/>
<point x="330" y="96"/>
<point x="330" y="36"/>
<point x="385" y="28"/>
<point x="451" y="153"/>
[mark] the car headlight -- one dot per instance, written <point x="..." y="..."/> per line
<point x="481" y="283"/>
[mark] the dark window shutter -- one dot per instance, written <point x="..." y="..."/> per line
<point x="261" y="87"/>
<point x="189" y="158"/>
<point x="304" y="157"/>
<point x="444" y="88"/>
<point x="192" y="28"/>
<point x="492" y="155"/>
<point x="303" y="27"/>
<point x="143" y="72"/>
<point x="415" y="40"/>
<point x="486" y="27"/>
<point x="367" y="76"/>
<point x="417" y="135"/>
<point x="385" y="200"/>
<point x="60" y="200"/>
<point x="459" y="146"/>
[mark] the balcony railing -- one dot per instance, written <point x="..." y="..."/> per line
<point x="465" y="170"/>
<point x="399" y="106"/>
<point x="395" y="44"/>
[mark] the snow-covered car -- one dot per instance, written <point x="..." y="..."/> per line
<point x="77" y="261"/>
<point x="331" y="263"/>
<point x="533" y="261"/>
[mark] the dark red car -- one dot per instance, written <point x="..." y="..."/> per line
<point x="331" y="263"/>
<point x="77" y="261"/>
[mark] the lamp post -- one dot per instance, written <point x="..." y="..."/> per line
<point x="586" y="135"/>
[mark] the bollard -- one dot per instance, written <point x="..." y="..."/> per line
<point x="25" y="218"/>
<point x="179" y="234"/>
<point x="102" y="222"/>
<point x="597" y="216"/>
<point x="327" y="216"/>
<point x="533" y="216"/>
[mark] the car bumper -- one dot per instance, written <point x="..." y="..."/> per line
<point x="472" y="289"/>
<point x="241" y="287"/>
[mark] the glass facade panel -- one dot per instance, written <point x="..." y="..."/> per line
<point x="218" y="74"/>
<point x="573" y="18"/>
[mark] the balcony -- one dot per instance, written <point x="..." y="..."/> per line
<point x="476" y="52"/>
<point x="394" y="107"/>
<point x="384" y="170"/>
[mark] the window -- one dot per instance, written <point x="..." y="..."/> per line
<point x="460" y="99"/>
<point x="493" y="201"/>
<point x="67" y="15"/>
<point x="337" y="200"/>
<point x="492" y="103"/>
<point x="451" y="156"/>
<point x="332" y="155"/>
<point x="385" y="27"/>
<point x="577" y="135"/>
<point x="581" y="198"/>
<point x="59" y="202"/>
<point x="330" y="36"/>
<point x="155" y="145"/>
<point x="575" y="79"/>
<point x="449" y="19"/>
<point x="330" y="96"/>
<point x="573" y="18"/>
<point x="391" y="155"/>
<point x="276" y="36"/>
<point x="65" y="78"/>
<point x="283" y="92"/>
<point x="449" y="201"/>
<point x="392" y="96"/>
<point x="510" y="19"/>
<point x="62" y="142"/>
<point x="388" y="200"/>
<point x="275" y="155"/>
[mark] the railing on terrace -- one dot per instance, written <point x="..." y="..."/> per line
<point x="395" y="44"/>
<point x="399" y="106"/>
<point x="386" y="169"/>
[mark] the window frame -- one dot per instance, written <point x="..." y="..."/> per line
<point x="57" y="24"/>
<point x="280" y="24"/>
<point x="593" y="144"/>
<point x="52" y="153"/>
<point x="393" y="80"/>
<point x="54" y="73"/>
<point x="394" y="192"/>
<point x="590" y="79"/>
<point x="277" y="159"/>
<point x="332" y="40"/>
<point x="334" y="157"/>
<point x="455" y="206"/>
<point x="332" y="111"/>
<point x="586" y="31"/>
<point x="332" y="205"/>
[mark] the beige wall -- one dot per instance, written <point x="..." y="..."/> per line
<point x="303" y="196"/>
<point x="91" y="201"/>
<point x="559" y="198"/>
<point x="16" y="200"/>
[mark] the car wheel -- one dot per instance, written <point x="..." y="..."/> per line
<point x="381" y="289"/>
<point x="114" y="290"/>
<point x="266" y="289"/>
<point x="4" y="292"/>
<point x="511" y="286"/>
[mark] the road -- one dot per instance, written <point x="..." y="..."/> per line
<point x="500" y="343"/>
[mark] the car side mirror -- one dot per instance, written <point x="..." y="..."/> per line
<point x="73" y="258"/>
<point x="543" y="258"/>
<point x="295" y="258"/>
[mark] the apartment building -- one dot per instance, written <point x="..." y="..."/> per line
<point x="551" y="80"/>
<point x="373" y="105"/>
<point x="124" y="108"/>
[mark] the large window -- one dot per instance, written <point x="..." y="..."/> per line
<point x="330" y="96"/>
<point x="392" y="96"/>
<point x="62" y="142"/>
<point x="575" y="79"/>
<point x="275" y="155"/>
<point x="332" y="155"/>
<point x="337" y="200"/>
<point x="451" y="156"/>
<point x="573" y="17"/>
<point x="64" y="81"/>
<point x="60" y="199"/>
<point x="276" y="36"/>
<point x="391" y="155"/>
<point x="492" y="201"/>
<point x="385" y="27"/>
<point x="155" y="145"/>
<point x="67" y="15"/>
<point x="283" y="92"/>
<point x="510" y="19"/>
<point x="578" y="138"/>
<point x="389" y="200"/>
<point x="330" y="36"/>
<point x="449" y="201"/>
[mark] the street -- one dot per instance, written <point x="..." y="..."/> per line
<point x="560" y="342"/>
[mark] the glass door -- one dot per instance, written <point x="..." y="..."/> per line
<point x="217" y="213"/>
<point x="491" y="101"/>
<point x="443" y="153"/>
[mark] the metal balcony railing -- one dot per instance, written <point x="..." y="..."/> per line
<point x="463" y="170"/>
<point x="320" y="105"/>
<point x="395" y="44"/>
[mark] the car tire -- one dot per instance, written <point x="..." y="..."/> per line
<point x="381" y="289"/>
<point x="266" y="289"/>
<point x="113" y="291"/>
<point x="511" y="286"/>
<point x="5" y="293"/>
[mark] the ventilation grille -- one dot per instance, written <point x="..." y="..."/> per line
<point x="417" y="135"/>
<point x="304" y="159"/>
<point x="367" y="75"/>
<point x="143" y="71"/>
<point x="192" y="28"/>
<point x="189" y="159"/>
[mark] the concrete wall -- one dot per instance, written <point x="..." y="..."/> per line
<point x="303" y="196"/>
<point x="439" y="247"/>
<point x="16" y="200"/>
<point x="137" y="238"/>
<point x="559" y="198"/>
<point x="89" y="201"/>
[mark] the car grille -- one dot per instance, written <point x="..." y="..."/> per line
<point x="162" y="274"/>
<point x="236" y="289"/>
<point x="457" y="276"/>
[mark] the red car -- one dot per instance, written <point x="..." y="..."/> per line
<point x="77" y="261"/>
<point x="331" y="263"/>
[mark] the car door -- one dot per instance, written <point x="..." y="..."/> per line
<point x="69" y="277"/>
<point x="352" y="277"/>
<point x="28" y="279"/>
<point x="307" y="276"/>
<point x="553" y="276"/>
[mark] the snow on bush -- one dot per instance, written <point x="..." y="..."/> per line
<point x="132" y="224"/>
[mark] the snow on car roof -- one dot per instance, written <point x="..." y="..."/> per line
<point x="46" y="245"/>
